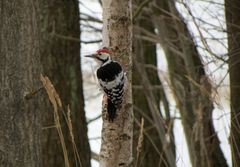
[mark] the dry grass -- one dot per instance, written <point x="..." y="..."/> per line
<point x="140" y="142"/>
<point x="57" y="106"/>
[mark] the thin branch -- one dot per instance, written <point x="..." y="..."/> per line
<point x="94" y="156"/>
<point x="204" y="42"/>
<point x="141" y="6"/>
<point x="69" y="38"/>
<point x="29" y="95"/>
<point x="91" y="42"/>
<point x="94" y="119"/>
<point x="90" y="18"/>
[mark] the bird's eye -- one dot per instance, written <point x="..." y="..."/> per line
<point x="100" y="54"/>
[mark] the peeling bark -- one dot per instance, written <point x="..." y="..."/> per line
<point x="116" y="148"/>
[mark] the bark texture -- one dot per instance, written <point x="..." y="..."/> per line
<point x="191" y="87"/>
<point x="116" y="148"/>
<point x="61" y="63"/>
<point x="233" y="32"/>
<point x="145" y="54"/>
<point x="20" y="113"/>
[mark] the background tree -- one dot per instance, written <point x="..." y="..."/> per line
<point x="60" y="51"/>
<point x="190" y="84"/>
<point x="20" y="67"/>
<point x="145" y="53"/>
<point x="233" y="32"/>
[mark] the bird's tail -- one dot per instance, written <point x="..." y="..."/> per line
<point x="111" y="111"/>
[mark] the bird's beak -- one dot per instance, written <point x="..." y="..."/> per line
<point x="91" y="55"/>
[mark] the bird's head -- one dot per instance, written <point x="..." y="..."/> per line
<point x="101" y="55"/>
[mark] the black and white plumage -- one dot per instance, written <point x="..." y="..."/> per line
<point x="112" y="80"/>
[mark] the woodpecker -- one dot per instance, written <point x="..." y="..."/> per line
<point x="112" y="80"/>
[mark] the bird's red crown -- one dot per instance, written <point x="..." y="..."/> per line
<point x="103" y="51"/>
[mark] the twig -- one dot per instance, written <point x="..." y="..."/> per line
<point x="94" y="119"/>
<point x="29" y="95"/>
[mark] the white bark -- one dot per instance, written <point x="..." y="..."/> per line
<point x="116" y="148"/>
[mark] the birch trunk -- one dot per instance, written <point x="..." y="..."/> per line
<point x="116" y="148"/>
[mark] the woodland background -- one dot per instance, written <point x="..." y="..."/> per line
<point x="185" y="61"/>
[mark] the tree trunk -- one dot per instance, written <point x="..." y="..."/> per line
<point x="145" y="54"/>
<point x="233" y="23"/>
<point x="61" y="62"/>
<point x="20" y="119"/>
<point x="116" y="148"/>
<point x="191" y="87"/>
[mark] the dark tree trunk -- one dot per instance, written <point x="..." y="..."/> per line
<point x="61" y="62"/>
<point x="145" y="53"/>
<point x="233" y="31"/>
<point x="20" y="113"/>
<point x="190" y="85"/>
<point x="26" y="43"/>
